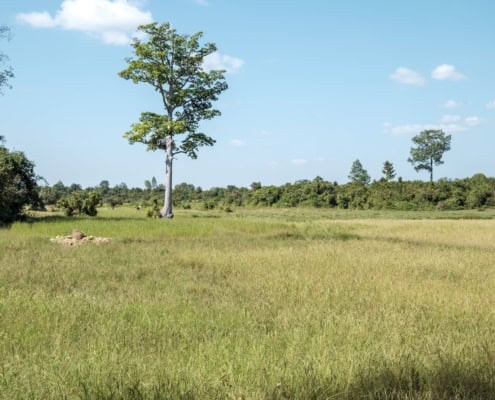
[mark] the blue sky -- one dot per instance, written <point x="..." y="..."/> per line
<point x="312" y="86"/>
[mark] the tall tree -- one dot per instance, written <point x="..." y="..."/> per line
<point x="173" y="65"/>
<point x="388" y="171"/>
<point x="6" y="72"/>
<point x="430" y="146"/>
<point x="358" y="173"/>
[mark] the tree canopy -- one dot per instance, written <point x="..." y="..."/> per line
<point x="358" y="174"/>
<point x="173" y="65"/>
<point x="388" y="171"/>
<point x="430" y="146"/>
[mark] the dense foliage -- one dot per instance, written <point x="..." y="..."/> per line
<point x="18" y="184"/>
<point x="469" y="193"/>
<point x="80" y="203"/>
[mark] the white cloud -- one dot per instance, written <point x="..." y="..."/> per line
<point x="491" y="105"/>
<point x="299" y="161"/>
<point x="222" y="61"/>
<point x="112" y="21"/>
<point x="264" y="133"/>
<point x="407" y="76"/>
<point x="37" y="19"/>
<point x="237" y="143"/>
<point x="446" y="72"/>
<point x="202" y="2"/>
<point x="472" y="121"/>
<point x="414" y="129"/>
<point x="450" y="119"/>
<point x="451" y="104"/>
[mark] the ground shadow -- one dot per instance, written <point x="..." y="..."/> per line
<point x="447" y="381"/>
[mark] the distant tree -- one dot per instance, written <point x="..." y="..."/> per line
<point x="154" y="183"/>
<point x="115" y="201"/>
<point x="358" y="173"/>
<point x="6" y="72"/>
<point x="147" y="185"/>
<point x="255" y="186"/>
<point x="104" y="186"/>
<point x="388" y="171"/>
<point x="430" y="146"/>
<point x="75" y="187"/>
<point x="18" y="184"/>
<point x="173" y="65"/>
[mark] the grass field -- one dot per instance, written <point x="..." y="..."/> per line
<point x="255" y="304"/>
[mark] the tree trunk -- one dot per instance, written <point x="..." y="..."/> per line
<point x="431" y="170"/>
<point x="167" y="204"/>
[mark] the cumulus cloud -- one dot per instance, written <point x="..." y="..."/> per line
<point x="407" y="77"/>
<point x="446" y="72"/>
<point x="112" y="21"/>
<point x="41" y="19"/>
<point x="450" y="119"/>
<point x="451" y="104"/>
<point x="217" y="60"/>
<point x="491" y="105"/>
<point x="299" y="161"/>
<point x="472" y="121"/>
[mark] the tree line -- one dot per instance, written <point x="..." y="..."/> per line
<point x="475" y="192"/>
<point x="19" y="188"/>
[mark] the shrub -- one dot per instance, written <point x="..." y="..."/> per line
<point x="80" y="203"/>
<point x="154" y="211"/>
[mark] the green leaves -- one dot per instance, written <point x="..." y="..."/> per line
<point x="173" y="65"/>
<point x="152" y="130"/>
<point x="6" y="73"/>
<point x="18" y="184"/>
<point x="430" y="146"/>
<point x="358" y="174"/>
<point x="388" y="171"/>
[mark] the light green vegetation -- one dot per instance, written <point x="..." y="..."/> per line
<point x="277" y="304"/>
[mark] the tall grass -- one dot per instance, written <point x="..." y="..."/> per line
<point x="254" y="305"/>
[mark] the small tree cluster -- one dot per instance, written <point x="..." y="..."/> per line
<point x="80" y="203"/>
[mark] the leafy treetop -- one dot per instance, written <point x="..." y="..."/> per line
<point x="430" y="146"/>
<point x="173" y="65"/>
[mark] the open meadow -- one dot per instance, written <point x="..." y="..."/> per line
<point x="254" y="304"/>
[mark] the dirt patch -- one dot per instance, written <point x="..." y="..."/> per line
<point x="77" y="238"/>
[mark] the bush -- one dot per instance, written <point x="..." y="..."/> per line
<point x="154" y="211"/>
<point x="80" y="203"/>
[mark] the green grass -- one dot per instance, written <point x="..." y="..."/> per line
<point x="257" y="304"/>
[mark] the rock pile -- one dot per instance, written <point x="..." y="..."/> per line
<point x="77" y="237"/>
